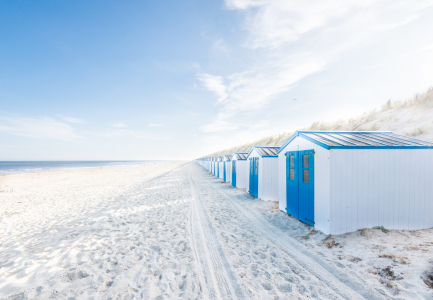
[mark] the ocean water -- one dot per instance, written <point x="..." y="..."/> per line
<point x="40" y="166"/>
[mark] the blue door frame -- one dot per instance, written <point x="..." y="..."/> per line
<point x="300" y="185"/>
<point x="218" y="169"/>
<point x="254" y="177"/>
<point x="225" y="180"/>
<point x="234" y="173"/>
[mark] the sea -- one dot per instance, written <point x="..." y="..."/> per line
<point x="11" y="167"/>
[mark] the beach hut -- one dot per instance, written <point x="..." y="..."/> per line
<point x="227" y="168"/>
<point x="213" y="164"/>
<point x="206" y="163"/>
<point x="262" y="167"/>
<point x="220" y="167"/>
<point x="239" y="169"/>
<point x="343" y="181"/>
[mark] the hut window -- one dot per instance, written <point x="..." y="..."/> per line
<point x="292" y="161"/>
<point x="305" y="160"/>
<point x="306" y="176"/>
<point x="292" y="174"/>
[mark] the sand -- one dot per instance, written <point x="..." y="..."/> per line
<point x="173" y="231"/>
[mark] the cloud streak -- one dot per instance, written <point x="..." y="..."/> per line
<point x="155" y="125"/>
<point x="291" y="40"/>
<point x="39" y="127"/>
<point x="74" y="120"/>
<point x="214" y="84"/>
<point x="119" y="125"/>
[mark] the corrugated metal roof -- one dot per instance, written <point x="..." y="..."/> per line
<point x="360" y="140"/>
<point x="228" y="157"/>
<point x="240" y="155"/>
<point x="267" y="151"/>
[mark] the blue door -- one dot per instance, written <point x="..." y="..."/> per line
<point x="300" y="185"/>
<point x="225" y="171"/>
<point x="234" y="173"/>
<point x="292" y="184"/>
<point x="254" y="176"/>
<point x="218" y="168"/>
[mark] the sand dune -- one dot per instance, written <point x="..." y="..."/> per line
<point x="412" y="117"/>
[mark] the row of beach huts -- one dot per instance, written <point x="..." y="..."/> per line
<point x="339" y="182"/>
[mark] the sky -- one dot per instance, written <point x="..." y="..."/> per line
<point x="132" y="80"/>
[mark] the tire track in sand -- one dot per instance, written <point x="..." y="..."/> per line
<point x="216" y="276"/>
<point x="341" y="283"/>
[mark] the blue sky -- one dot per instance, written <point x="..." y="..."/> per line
<point x="85" y="80"/>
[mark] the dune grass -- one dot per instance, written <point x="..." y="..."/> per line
<point x="412" y="117"/>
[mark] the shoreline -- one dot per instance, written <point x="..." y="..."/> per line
<point x="142" y="164"/>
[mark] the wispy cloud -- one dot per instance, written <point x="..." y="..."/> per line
<point x="220" y="46"/>
<point x="214" y="84"/>
<point x="155" y="125"/>
<point x="39" y="127"/>
<point x="290" y="40"/>
<point x="127" y="132"/>
<point x="74" y="120"/>
<point x="119" y="125"/>
<point x="178" y="66"/>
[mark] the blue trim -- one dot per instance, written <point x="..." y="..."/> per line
<point x="296" y="134"/>
<point x="250" y="152"/>
<point x="267" y="146"/>
<point x="328" y="147"/>
<point x="381" y="147"/>
<point x="316" y="141"/>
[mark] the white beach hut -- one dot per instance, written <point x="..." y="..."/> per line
<point x="340" y="182"/>
<point x="262" y="167"/>
<point x="227" y="177"/>
<point x="214" y="166"/>
<point x="239" y="170"/>
<point x="221" y="167"/>
<point x="206" y="163"/>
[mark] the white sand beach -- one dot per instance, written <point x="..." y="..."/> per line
<point x="172" y="230"/>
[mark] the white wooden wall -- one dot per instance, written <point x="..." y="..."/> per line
<point x="221" y="174"/>
<point x="383" y="187"/>
<point x="321" y="181"/>
<point x="214" y="168"/>
<point x="228" y="171"/>
<point x="268" y="179"/>
<point x="241" y="174"/>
